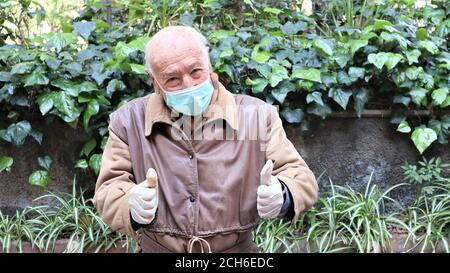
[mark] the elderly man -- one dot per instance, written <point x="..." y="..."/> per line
<point x="221" y="161"/>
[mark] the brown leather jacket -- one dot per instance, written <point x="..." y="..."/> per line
<point x="207" y="178"/>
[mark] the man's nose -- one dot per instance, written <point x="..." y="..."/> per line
<point x="188" y="81"/>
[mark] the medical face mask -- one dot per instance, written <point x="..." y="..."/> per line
<point x="191" y="101"/>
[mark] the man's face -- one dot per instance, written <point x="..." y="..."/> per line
<point x="179" y="65"/>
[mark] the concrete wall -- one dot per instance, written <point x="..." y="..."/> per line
<point x="348" y="149"/>
<point x="62" y="144"/>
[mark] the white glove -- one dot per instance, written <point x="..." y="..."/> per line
<point x="143" y="200"/>
<point x="270" y="194"/>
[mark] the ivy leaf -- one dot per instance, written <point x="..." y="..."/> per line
<point x="226" y="53"/>
<point x="340" y="96"/>
<point x="22" y="68"/>
<point x="138" y="69"/>
<point x="305" y="85"/>
<point x="418" y="94"/>
<point x="439" y="96"/>
<point x="290" y="28"/>
<point x="91" y="110"/>
<point x="314" y="96"/>
<point x="122" y="51"/>
<point x="343" y="78"/>
<point x="36" y="78"/>
<point x="6" y="163"/>
<point x="98" y="72"/>
<point x="84" y="28"/>
<point x="219" y="35"/>
<point x="74" y="69"/>
<point x="433" y="14"/>
<point x="319" y="110"/>
<point x="45" y="102"/>
<point x="95" y="162"/>
<point x="16" y="133"/>
<point x="323" y="46"/>
<point x="392" y="60"/>
<point x="389" y="37"/>
<point x="383" y="24"/>
<point x="243" y="35"/>
<point x="292" y="115"/>
<point x="356" y="72"/>
<point x="310" y="74"/>
<point x="328" y="79"/>
<point x="88" y="147"/>
<point x="429" y="46"/>
<point x="257" y="84"/>
<point x="281" y="92"/>
<point x="5" y="76"/>
<point x="39" y="178"/>
<point x="278" y="74"/>
<point x="67" y="85"/>
<point x="87" y="87"/>
<point x="37" y="136"/>
<point x="138" y="43"/>
<point x="446" y="102"/>
<point x="82" y="164"/>
<point x="403" y="127"/>
<point x="421" y="34"/>
<point x="435" y="125"/>
<point x="413" y="72"/>
<point x="423" y="137"/>
<point x="45" y="162"/>
<point x="260" y="56"/>
<point x="360" y="97"/>
<point x="427" y="80"/>
<point x="413" y="56"/>
<point x="377" y="59"/>
<point x="342" y="59"/>
<point x="272" y="10"/>
<point x="113" y="86"/>
<point x="64" y="103"/>
<point x="53" y="64"/>
<point x="355" y="45"/>
<point x="61" y="40"/>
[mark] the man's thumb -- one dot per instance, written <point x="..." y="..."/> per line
<point x="151" y="178"/>
<point x="266" y="173"/>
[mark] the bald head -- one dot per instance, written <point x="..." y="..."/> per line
<point x="171" y="43"/>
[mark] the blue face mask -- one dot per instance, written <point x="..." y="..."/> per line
<point x="191" y="101"/>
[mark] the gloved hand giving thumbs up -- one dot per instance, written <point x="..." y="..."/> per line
<point x="270" y="194"/>
<point x="143" y="199"/>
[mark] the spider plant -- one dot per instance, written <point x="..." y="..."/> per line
<point x="428" y="223"/>
<point x="273" y="235"/>
<point x="351" y="220"/>
<point x="325" y="231"/>
<point x="18" y="228"/>
<point x="76" y="219"/>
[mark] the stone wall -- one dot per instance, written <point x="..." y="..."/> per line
<point x="347" y="149"/>
<point x="350" y="149"/>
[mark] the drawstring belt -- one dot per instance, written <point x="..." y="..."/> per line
<point x="195" y="239"/>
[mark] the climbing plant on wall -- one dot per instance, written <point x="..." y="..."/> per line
<point x="340" y="58"/>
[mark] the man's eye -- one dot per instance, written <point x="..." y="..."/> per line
<point x="171" y="80"/>
<point x="196" y="71"/>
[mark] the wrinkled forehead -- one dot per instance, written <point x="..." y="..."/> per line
<point x="169" y="50"/>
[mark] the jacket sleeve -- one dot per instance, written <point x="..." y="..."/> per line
<point x="113" y="184"/>
<point x="289" y="167"/>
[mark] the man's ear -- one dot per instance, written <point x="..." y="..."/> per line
<point x="209" y="61"/>
<point x="154" y="83"/>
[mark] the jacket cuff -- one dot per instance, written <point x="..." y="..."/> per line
<point x="126" y="217"/>
<point x="135" y="225"/>
<point x="287" y="210"/>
